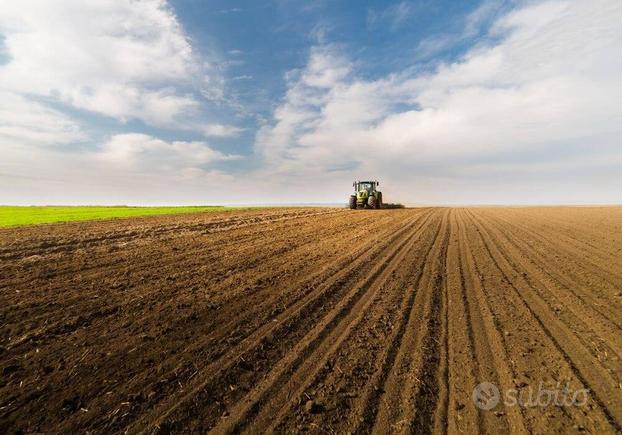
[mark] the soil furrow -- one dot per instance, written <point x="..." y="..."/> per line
<point x="176" y="262"/>
<point x="464" y="368"/>
<point x="287" y="323"/>
<point x="588" y="370"/>
<point x="52" y="246"/>
<point x="357" y="383"/>
<point x="572" y="278"/>
<point x="313" y="321"/>
<point x="429" y="390"/>
<point x="492" y="354"/>
<point x="570" y="308"/>
<point x="403" y="384"/>
<point x="308" y="357"/>
<point x="573" y="255"/>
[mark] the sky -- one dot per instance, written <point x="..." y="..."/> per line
<point x="154" y="102"/>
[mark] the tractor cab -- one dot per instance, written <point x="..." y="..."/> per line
<point x="367" y="186"/>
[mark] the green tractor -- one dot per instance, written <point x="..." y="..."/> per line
<point x="366" y="195"/>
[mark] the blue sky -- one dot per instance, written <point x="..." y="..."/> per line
<point x="257" y="44"/>
<point x="193" y="102"/>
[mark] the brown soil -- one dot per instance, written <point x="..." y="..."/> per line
<point x="318" y="320"/>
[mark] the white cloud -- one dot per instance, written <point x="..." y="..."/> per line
<point x="547" y="88"/>
<point x="141" y="152"/>
<point x="230" y="11"/>
<point x="26" y="122"/>
<point x="307" y="92"/>
<point x="129" y="168"/>
<point x="221" y="130"/>
<point x="124" y="59"/>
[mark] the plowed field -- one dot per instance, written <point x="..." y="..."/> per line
<point x="320" y="320"/>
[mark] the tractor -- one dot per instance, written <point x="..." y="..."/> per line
<point x="366" y="195"/>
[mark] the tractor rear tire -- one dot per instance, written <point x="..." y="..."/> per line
<point x="379" y="205"/>
<point x="372" y="202"/>
<point x="352" y="202"/>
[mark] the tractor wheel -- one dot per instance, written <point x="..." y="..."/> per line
<point x="352" y="202"/>
<point x="372" y="202"/>
<point x="379" y="205"/>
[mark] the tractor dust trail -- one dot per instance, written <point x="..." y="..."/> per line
<point x="315" y="320"/>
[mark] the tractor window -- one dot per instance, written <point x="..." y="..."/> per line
<point x="360" y="187"/>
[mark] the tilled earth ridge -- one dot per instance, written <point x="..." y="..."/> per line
<point x="313" y="320"/>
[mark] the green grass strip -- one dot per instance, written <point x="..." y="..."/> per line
<point x="11" y="216"/>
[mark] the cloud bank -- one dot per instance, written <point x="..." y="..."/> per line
<point x="538" y="97"/>
<point x="529" y="113"/>
<point x="124" y="60"/>
<point x="120" y="59"/>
